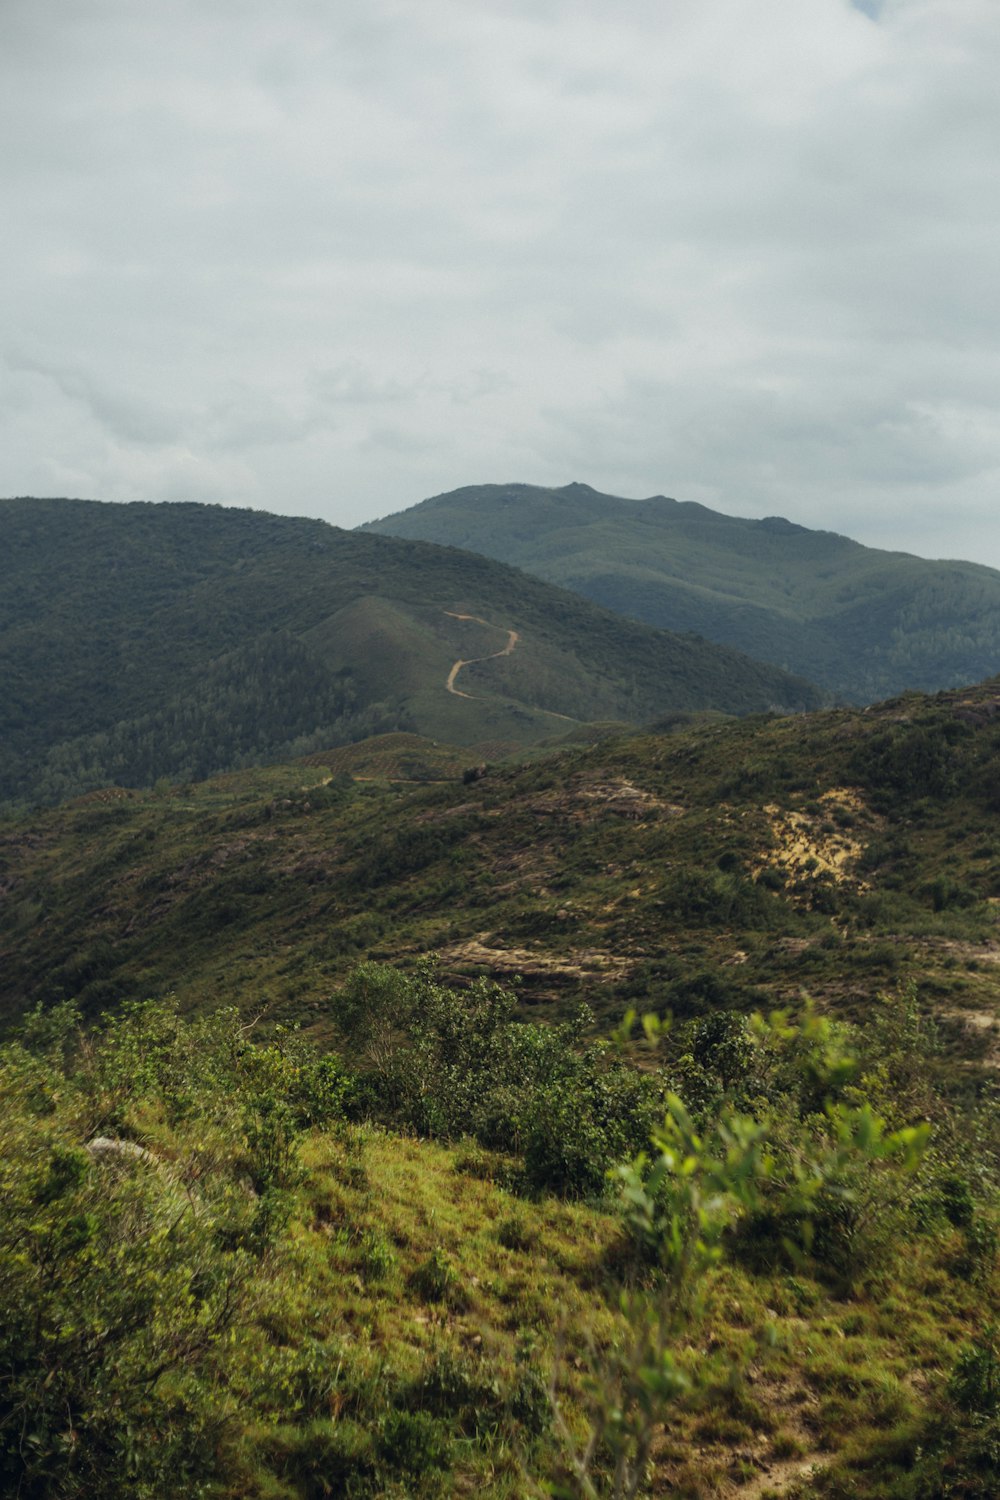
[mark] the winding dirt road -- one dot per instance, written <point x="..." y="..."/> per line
<point x="512" y="639"/>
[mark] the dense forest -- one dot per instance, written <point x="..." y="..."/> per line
<point x="147" y="641"/>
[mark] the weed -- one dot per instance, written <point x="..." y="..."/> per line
<point x="411" y="1443"/>
<point x="515" y="1232"/>
<point x="435" y="1280"/>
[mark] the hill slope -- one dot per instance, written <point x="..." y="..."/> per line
<point x="395" y="1314"/>
<point x="140" y="641"/>
<point x="723" y="865"/>
<point x="861" y="622"/>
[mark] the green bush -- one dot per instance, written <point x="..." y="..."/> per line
<point x="978" y="1255"/>
<point x="377" y="1258"/>
<point x="515" y="1233"/>
<point x="960" y="1452"/>
<point x="718" y="899"/>
<point x="412" y="1443"/>
<point x="127" y="1272"/>
<point x="322" y="1458"/>
<point x="456" y="1065"/>
<point x="434" y="1280"/>
<point x="975" y="1381"/>
<point x="909" y="761"/>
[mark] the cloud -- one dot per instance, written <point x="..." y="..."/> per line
<point x="333" y="259"/>
<point x="120" y="415"/>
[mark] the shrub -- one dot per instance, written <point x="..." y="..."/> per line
<point x="412" y="1443"/>
<point x="434" y="1279"/>
<point x="961" y="1449"/>
<point x="722" y="1043"/>
<point x="376" y="1256"/>
<point x="322" y="1458"/>
<point x="975" y="1381"/>
<point x="465" y="1066"/>
<point x="977" y="1257"/>
<point x="909" y="761"/>
<point x="125" y="1272"/>
<point x="516" y="1233"/>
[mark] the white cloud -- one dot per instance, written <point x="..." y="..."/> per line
<point x="331" y="259"/>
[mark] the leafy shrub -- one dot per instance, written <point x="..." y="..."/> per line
<point x="376" y="1257"/>
<point x="462" y="1065"/>
<point x="528" y="1401"/>
<point x="458" y="1385"/>
<point x="125" y="1270"/>
<point x="487" y="1166"/>
<point x="706" y="990"/>
<point x="980" y="1242"/>
<point x="565" y="1153"/>
<point x="961" y="1450"/>
<point x="412" y="1443"/>
<point x="718" y="899"/>
<point x="975" y="1381"/>
<point x="516" y="1233"/>
<point x="909" y="761"/>
<point x="313" y="1377"/>
<point x="434" y="1280"/>
<point x="578" y="1132"/>
<point x="723" y="1043"/>
<point x="945" y="895"/>
<point x="108" y="1281"/>
<point x="466" y="1390"/>
<point x="322" y="1458"/>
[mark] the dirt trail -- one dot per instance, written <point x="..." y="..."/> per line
<point x="781" y="1476"/>
<point x="512" y="639"/>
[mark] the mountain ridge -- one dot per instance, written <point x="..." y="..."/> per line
<point x="861" y="622"/>
<point x="140" y="641"/>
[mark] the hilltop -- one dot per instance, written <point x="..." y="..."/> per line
<point x="861" y="622"/>
<point x="146" y="641"/>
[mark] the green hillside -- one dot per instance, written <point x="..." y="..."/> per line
<point x="861" y="622"/>
<point x="731" y="863"/>
<point x="433" y="1262"/>
<point x="147" y="641"/>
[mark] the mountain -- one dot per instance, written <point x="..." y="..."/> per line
<point x="142" y="641"/>
<point x="860" y="622"/>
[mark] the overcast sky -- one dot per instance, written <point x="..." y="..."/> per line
<point x="330" y="257"/>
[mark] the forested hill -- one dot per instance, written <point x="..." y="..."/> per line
<point x="861" y="622"/>
<point x="145" y="641"/>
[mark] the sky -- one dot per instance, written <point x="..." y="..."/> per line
<point x="331" y="257"/>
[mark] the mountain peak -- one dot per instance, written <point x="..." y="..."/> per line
<point x="811" y="601"/>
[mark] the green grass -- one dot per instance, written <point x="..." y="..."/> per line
<point x="357" y="1360"/>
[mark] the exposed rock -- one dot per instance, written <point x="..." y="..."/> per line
<point x="106" y="1148"/>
